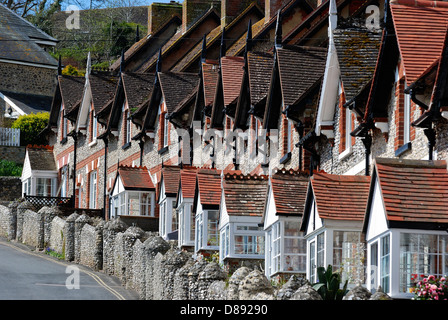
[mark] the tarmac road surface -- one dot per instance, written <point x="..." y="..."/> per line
<point x="30" y="275"/>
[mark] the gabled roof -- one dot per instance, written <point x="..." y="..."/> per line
<point x="135" y="178"/>
<point x="41" y="158"/>
<point x="209" y="77"/>
<point x="289" y="189"/>
<point x="420" y="26"/>
<point x="228" y="88"/>
<point x="232" y="75"/>
<point x="232" y="32"/>
<point x="260" y="68"/>
<point x="103" y="87"/>
<point x="188" y="181"/>
<point x="414" y="193"/>
<point x="357" y="50"/>
<point x="149" y="45"/>
<point x="338" y="197"/>
<point x="208" y="187"/>
<point x="137" y="87"/>
<point x="264" y="26"/>
<point x="296" y="71"/>
<point x="171" y="177"/>
<point x="69" y="90"/>
<point x="300" y="68"/>
<point x="184" y="41"/>
<point x="244" y="195"/>
<point x="176" y="86"/>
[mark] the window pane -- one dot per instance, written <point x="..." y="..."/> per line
<point x="133" y="204"/>
<point x="292" y="228"/>
<point x="212" y="228"/>
<point x="245" y="244"/>
<point x="421" y="255"/>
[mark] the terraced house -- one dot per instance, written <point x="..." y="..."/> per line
<point x="292" y="134"/>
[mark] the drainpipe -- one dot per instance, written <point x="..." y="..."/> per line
<point x="106" y="146"/>
<point x="367" y="141"/>
<point x="75" y="144"/>
<point x="141" y="144"/>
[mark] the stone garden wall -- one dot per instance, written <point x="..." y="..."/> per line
<point x="143" y="261"/>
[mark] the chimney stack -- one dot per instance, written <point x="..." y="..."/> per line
<point x="194" y="9"/>
<point x="271" y="7"/>
<point x="159" y="13"/>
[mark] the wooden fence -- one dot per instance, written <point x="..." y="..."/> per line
<point x="9" y="137"/>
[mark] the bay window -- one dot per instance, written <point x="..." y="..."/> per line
<point x="242" y="240"/>
<point x="348" y="255"/>
<point x="421" y="255"/>
<point x="45" y="187"/>
<point x="133" y="203"/>
<point x="380" y="264"/>
<point x="207" y="232"/>
<point x="285" y="248"/>
<point x="187" y="223"/>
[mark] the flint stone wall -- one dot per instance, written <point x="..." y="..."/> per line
<point x="156" y="269"/>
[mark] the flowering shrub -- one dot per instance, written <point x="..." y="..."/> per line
<point x="431" y="288"/>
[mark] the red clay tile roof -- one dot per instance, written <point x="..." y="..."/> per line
<point x="420" y="26"/>
<point x="171" y="178"/>
<point x="188" y="181"/>
<point x="245" y="195"/>
<point x="135" y="178"/>
<point x="210" y="78"/>
<point x="209" y="184"/>
<point x="414" y="190"/>
<point x="289" y="189"/>
<point x="340" y="197"/>
<point x="232" y="75"/>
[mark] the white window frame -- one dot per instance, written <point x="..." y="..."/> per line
<point x="93" y="181"/>
<point x="165" y="130"/>
<point x="380" y="272"/>
<point x="64" y="179"/>
<point x="317" y="257"/>
<point x="186" y="224"/>
<point x="426" y="259"/>
<point x="348" y="257"/>
<point x="202" y="231"/>
<point x="52" y="184"/>
<point x="407" y="118"/>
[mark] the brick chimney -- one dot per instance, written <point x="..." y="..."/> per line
<point x="272" y="6"/>
<point x="194" y="9"/>
<point x="230" y="9"/>
<point x="159" y="13"/>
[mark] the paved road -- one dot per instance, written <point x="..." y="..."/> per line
<point x="29" y="275"/>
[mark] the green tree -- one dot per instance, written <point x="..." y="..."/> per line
<point x="30" y="126"/>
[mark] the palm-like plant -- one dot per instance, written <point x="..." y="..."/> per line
<point x="329" y="285"/>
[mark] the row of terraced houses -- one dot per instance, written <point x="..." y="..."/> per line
<point x="289" y="134"/>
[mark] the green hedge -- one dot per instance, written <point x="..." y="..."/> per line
<point x="10" y="169"/>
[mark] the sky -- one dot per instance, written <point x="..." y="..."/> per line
<point x="85" y="4"/>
